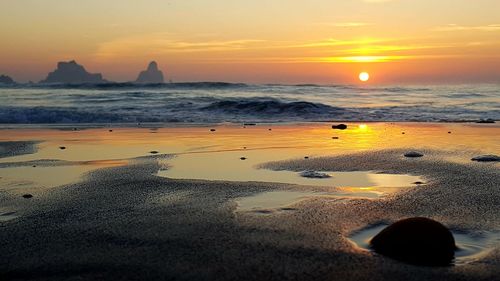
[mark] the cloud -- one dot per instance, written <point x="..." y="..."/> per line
<point x="378" y="1"/>
<point x="345" y="24"/>
<point x="208" y="49"/>
<point x="456" y="27"/>
<point x="162" y="43"/>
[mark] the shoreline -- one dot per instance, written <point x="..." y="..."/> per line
<point x="14" y="126"/>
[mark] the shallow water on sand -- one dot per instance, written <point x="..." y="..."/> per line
<point x="33" y="177"/>
<point x="215" y="155"/>
<point x="206" y="166"/>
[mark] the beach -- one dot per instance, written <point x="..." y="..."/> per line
<point x="228" y="201"/>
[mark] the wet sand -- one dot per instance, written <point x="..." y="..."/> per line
<point x="122" y="220"/>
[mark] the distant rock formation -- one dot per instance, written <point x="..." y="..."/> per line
<point x="151" y="75"/>
<point x="72" y="73"/>
<point x="4" y="79"/>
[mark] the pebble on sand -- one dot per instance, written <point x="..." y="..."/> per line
<point x="27" y="196"/>
<point x="154" y="152"/>
<point x="62" y="147"/>
<point x="339" y="127"/>
<point x="335" y="138"/>
<point x="212" y="130"/>
<point x="243" y="158"/>
<point x="413" y="154"/>
<point x="486" y="158"/>
<point x="420" y="241"/>
<point x="314" y="175"/>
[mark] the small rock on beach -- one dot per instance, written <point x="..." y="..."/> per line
<point x="486" y="158"/>
<point x="339" y="127"/>
<point x="413" y="154"/>
<point x="314" y="175"/>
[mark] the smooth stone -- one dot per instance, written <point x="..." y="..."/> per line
<point x="62" y="147"/>
<point x="212" y="130"/>
<point x="420" y="241"/>
<point x="486" y="158"/>
<point x="413" y="154"/>
<point x="27" y="196"/>
<point x="243" y="158"/>
<point x="314" y="175"/>
<point x="339" y="127"/>
<point x="154" y="152"/>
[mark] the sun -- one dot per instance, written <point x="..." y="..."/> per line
<point x="364" y="76"/>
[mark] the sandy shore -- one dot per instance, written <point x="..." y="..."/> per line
<point x="116" y="218"/>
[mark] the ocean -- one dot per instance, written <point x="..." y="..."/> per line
<point x="226" y="102"/>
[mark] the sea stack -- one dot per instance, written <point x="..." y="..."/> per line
<point x="6" y="80"/>
<point x="152" y="75"/>
<point x="72" y="73"/>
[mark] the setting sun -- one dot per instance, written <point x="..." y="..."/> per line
<point x="364" y="76"/>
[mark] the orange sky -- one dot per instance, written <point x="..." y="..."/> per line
<point x="259" y="41"/>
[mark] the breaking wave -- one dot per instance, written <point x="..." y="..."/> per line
<point x="212" y="102"/>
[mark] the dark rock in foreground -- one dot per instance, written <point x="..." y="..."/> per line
<point x="72" y="73"/>
<point x="487" y="158"/>
<point x="413" y="154"/>
<point x="339" y="127"/>
<point x="27" y="196"/>
<point x="4" y="79"/>
<point x="152" y="75"/>
<point x="418" y="241"/>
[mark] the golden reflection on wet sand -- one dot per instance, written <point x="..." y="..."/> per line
<point x="206" y="154"/>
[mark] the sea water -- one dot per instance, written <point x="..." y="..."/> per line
<point x="226" y="102"/>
